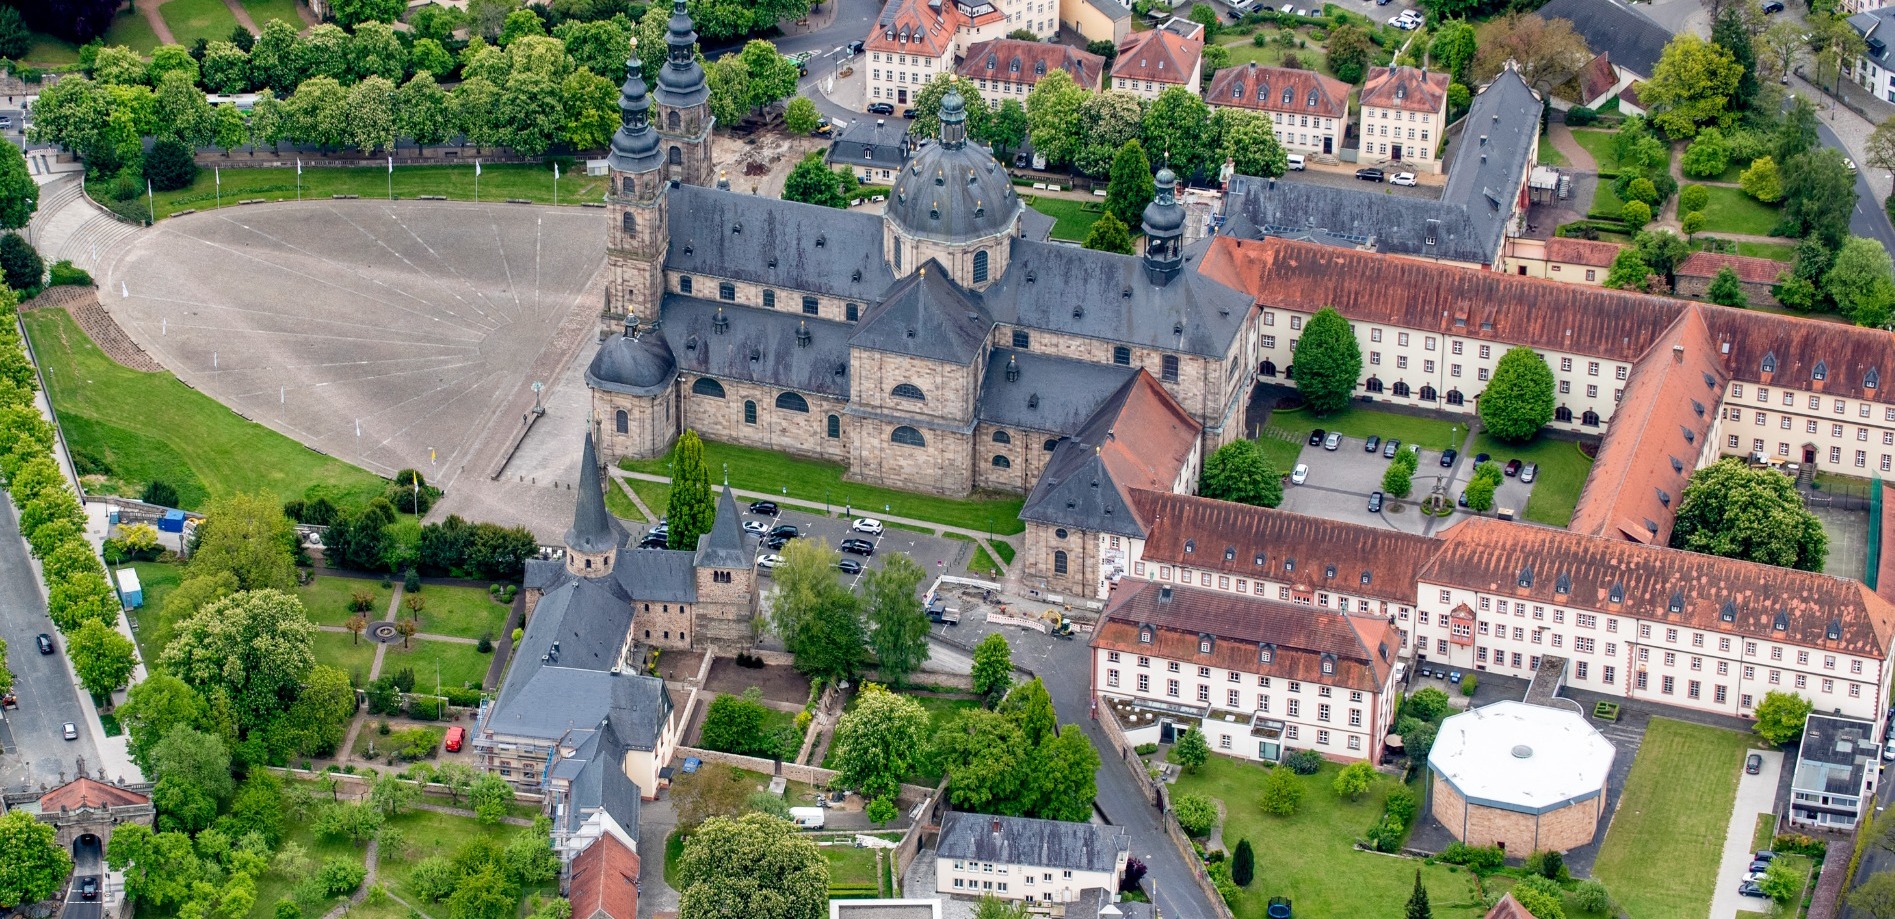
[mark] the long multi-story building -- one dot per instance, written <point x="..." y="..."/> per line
<point x="915" y="41"/>
<point x="1308" y="112"/>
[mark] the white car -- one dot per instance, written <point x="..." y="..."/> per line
<point x="70" y="730"/>
<point x="1402" y="178"/>
<point x="769" y="562"/>
<point x="867" y="525"/>
<point x="756" y="527"/>
<point x="1300" y="474"/>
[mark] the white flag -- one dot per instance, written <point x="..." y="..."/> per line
<point x="555" y="172"/>
<point x="391" y="165"/>
<point x="299" y="167"/>
<point x="477" y="168"/>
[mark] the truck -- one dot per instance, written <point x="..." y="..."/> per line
<point x="807" y="818"/>
<point x="939" y="611"/>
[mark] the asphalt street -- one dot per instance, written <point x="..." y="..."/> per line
<point x="37" y="751"/>
<point x="1869" y="219"/>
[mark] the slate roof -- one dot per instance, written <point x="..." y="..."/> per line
<point x="1161" y="55"/>
<point x="1106" y="296"/>
<point x="1489" y="163"/>
<point x="657" y="575"/>
<point x="1361" y="649"/>
<point x="723" y="546"/>
<point x="1749" y="269"/>
<point x="876" y="143"/>
<point x="774" y="242"/>
<point x="640" y="365"/>
<point x="1056" y="395"/>
<point x="759" y="345"/>
<point x="1410" y="89"/>
<point x="1014" y="60"/>
<point x="1256" y="208"/>
<point x="1262" y="88"/>
<point x="593" y="528"/>
<point x="1028" y="841"/>
<point x="1875" y="27"/>
<point x="549" y="693"/>
<point x="605" y="880"/>
<point x="953" y="191"/>
<point x="82" y="792"/>
<point x="927" y="315"/>
<point x="1139" y="438"/>
<point x="1628" y="36"/>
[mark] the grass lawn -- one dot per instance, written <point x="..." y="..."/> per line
<point x="146" y="426"/>
<point x="429" y="834"/>
<point x="982" y="563"/>
<point x="327" y="598"/>
<point x="1732" y="211"/>
<point x="620" y="504"/>
<point x="460" y="664"/>
<point x="1431" y="433"/>
<point x="1599" y="144"/>
<point x="853" y="872"/>
<point x="656" y="495"/>
<point x="193" y="19"/>
<point x="1562" y="473"/>
<point x="813" y="480"/>
<point x="1550" y="155"/>
<point x="1605" y="201"/>
<point x="262" y="11"/>
<point x="466" y="612"/>
<point x="1782" y="252"/>
<point x="1072" y="219"/>
<point x="497" y="182"/>
<point x="341" y="649"/>
<point x="131" y="30"/>
<point x="1311" y="857"/>
<point x="1005" y="549"/>
<point x="274" y="885"/>
<point x="153" y="630"/>
<point x="1660" y="855"/>
<point x="47" y="51"/>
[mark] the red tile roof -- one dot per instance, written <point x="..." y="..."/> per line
<point x="997" y="60"/>
<point x="1362" y="649"/>
<point x="1797" y="350"/>
<point x="605" y="880"/>
<point x="1652" y="445"/>
<point x="1228" y="538"/>
<point x="1508" y="908"/>
<point x="1598" y="77"/>
<point x="1749" y="269"/>
<point x="915" y="27"/>
<point x="83" y="792"/>
<point x="1262" y="88"/>
<point x="1158" y="56"/>
<point x="1407" y="88"/>
<point x="1151" y="439"/>
<point x="1589" y="252"/>
<point x="1761" y="601"/>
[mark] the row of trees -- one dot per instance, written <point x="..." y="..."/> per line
<point x="835" y="633"/>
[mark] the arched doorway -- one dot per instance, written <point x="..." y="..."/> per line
<point x="1809" y="453"/>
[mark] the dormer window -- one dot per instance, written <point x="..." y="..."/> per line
<point x="1190" y="546"/>
<point x="1204" y="644"/>
<point x="1819" y="372"/>
<point x="1039" y="68"/>
<point x="1312" y="99"/>
<point x="1770" y="362"/>
<point x="1259" y="559"/>
<point x="1782" y="623"/>
<point x="991" y="62"/>
<point x="1329" y="571"/>
<point x="1728" y="612"/>
<point x="1014" y="66"/>
<point x="1289" y="96"/>
<point x="1329" y="664"/>
<point x="1263" y="92"/>
<point x="1230" y="553"/>
<point x="1526" y="576"/>
<point x="1834" y="630"/>
<point x="1616" y="594"/>
<point x="1366" y="576"/>
<point x="1289" y="564"/>
<point x="1871" y="378"/>
<point x="1563" y="584"/>
<point x="1677" y="602"/>
<point x="1265" y="653"/>
<point x="1144" y="635"/>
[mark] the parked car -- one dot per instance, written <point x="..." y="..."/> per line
<point x="774" y="543"/>
<point x="1480" y="458"/>
<point x="1448" y="457"/>
<point x="1753" y="764"/>
<point x="1454" y="676"/>
<point x="849" y="566"/>
<point x="456" y="736"/>
<point x="1402" y="178"/>
<point x="1758" y="867"/>
<point x="881" y="108"/>
<point x="1463" y="499"/>
<point x="71" y="731"/>
<point x="1372" y="444"/>
<point x="908" y="113"/>
<point x="756" y="527"/>
<point x="788" y="530"/>
<point x="1513" y="468"/>
<point x="654" y="542"/>
<point x="1772" y="7"/>
<point x="858" y="547"/>
<point x="1764" y="855"/>
<point x="855" y="47"/>
<point x="766" y="508"/>
<point x="1389" y="447"/>
<point x="1750" y="889"/>
<point x="1333" y="441"/>
<point x="1316" y="437"/>
<point x="88" y="888"/>
<point x="1888" y="752"/>
<point x="45" y="643"/>
<point x="1529" y="472"/>
<point x="1300" y="474"/>
<point x="1375" y="502"/>
<point x="1370" y="174"/>
<point x="1295" y="162"/>
<point x="867" y="525"/>
<point x="769" y="562"/>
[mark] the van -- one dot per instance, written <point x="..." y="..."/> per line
<point x="807" y="818"/>
<point x="455" y="735"/>
<point x="1296" y="162"/>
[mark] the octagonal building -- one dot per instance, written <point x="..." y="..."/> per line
<point x="1522" y="777"/>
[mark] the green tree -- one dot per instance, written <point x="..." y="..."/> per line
<point x="152" y="708"/>
<point x="1355" y="780"/>
<point x="169" y="166"/>
<point x="800" y="115"/>
<point x="1191" y="750"/>
<point x="772" y="76"/>
<point x="375" y="51"/>
<point x="1243" y="864"/>
<point x="1064" y="780"/>
<point x="324" y="52"/>
<point x="1178" y="125"/>
<point x="529" y="856"/>
<point x="898" y="627"/>
<point x="36" y="866"/>
<point x="159" y="868"/>
<point x="1731" y="32"/>
<point x="371" y="106"/>
<point x="20" y="266"/>
<point x="1248" y="143"/>
<point x="273" y="60"/>
<point x="878" y="743"/>
<point x="19" y="195"/>
<point x="490" y="794"/>
<point x="1480" y="494"/>
<point x="1052" y="117"/>
<point x="806" y="594"/>
<point x="1454" y="46"/>
<point x="1694" y="197"/>
<point x="475" y="109"/>
<point x="1031" y="707"/>
<point x="1241" y="471"/>
<point x="1692" y="86"/>
<point x="1282" y="792"/>
<point x="1109" y="234"/>
<point x="1636" y="214"/>
<point x="993" y="668"/>
<point x="1875" y="897"/>
<point x="1196" y="814"/>
<point x="1731" y="510"/>
<point x="484" y="893"/>
<point x="1819" y="194"/>
<point x="247" y="536"/>
<point x="1349" y="52"/>
<point x="811" y="182"/>
<point x="1539" y="901"/>
<point x="101" y="657"/>
<point x="992" y="907"/>
<point x="15" y="38"/>
<point x="598" y="45"/>
<point x="1518" y="401"/>
<point x="1727" y="290"/>
<point x="753" y="866"/>
<point x="1708" y="156"/>
<point x="589" y="110"/>
<point x="691" y="509"/>
<point x="1205" y="15"/>
<point x="927" y="105"/>
<point x="1418" y="901"/>
<point x="1861" y="282"/>
<point x="228" y="129"/>
<point x="1006" y="130"/>
<point x="256" y="646"/>
<point x="988" y="763"/>
<point x="1328" y="359"/>
<point x="421" y="111"/>
<point x="734" y="724"/>
<point x="521" y="23"/>
<point x="351" y="13"/>
<point x="1780" y="717"/>
<point x="1398" y="480"/>
<point x="192" y="773"/>
<point x="117" y="65"/>
<point x="1105" y="121"/>
<point x="730" y="89"/>
<point x="427" y="56"/>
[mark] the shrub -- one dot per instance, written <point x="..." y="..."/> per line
<point x="485" y="646"/>
<point x="1799" y="844"/>
<point x="125" y="186"/>
<point x="1548" y="864"/>
<point x="1243" y="864"/>
<point x="21" y="264"/>
<point x="1282" y="792"/>
<point x="1640" y="189"/>
<point x="169" y="165"/>
<point x="1304" y="762"/>
<point x="1479" y="858"/>
<point x="518" y="633"/>
<point x="412" y="582"/>
<point x="1762" y="181"/>
<point x="1401" y="805"/>
<point x="1386" y="834"/>
<point x="1591" y="897"/>
<point x="1540" y="897"/>
<point x="1145" y="749"/>
<point x="1636" y="214"/>
<point x="424" y="708"/>
<point x="1426" y="704"/>
<point x="1354" y="780"/>
<point x="1579" y="116"/>
<point x="1134" y="872"/>
<point x="1692" y="223"/>
<point x="341" y="876"/>
<point x="1694" y="198"/>
<point x="1195" y="813"/>
<point x="63" y="273"/>
<point x="1469" y="684"/>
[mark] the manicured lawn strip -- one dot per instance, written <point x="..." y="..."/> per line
<point x="1072" y="219"/>
<point x="1430" y="433"/>
<point x="1732" y="211"/>
<point x="853" y="874"/>
<point x="465" y="612"/>
<point x="193" y="19"/>
<point x="341" y="649"/>
<point x="1605" y="201"/>
<point x="1282" y="451"/>
<point x="1550" y="155"/>
<point x="1005" y="549"/>
<point x="1660" y="855"/>
<point x="115" y="413"/>
<point x="459" y="663"/>
<point x="1311" y="857"/>
<point x="47" y="51"/>
<point x="656" y="495"/>
<point x="131" y="30"/>
<point x="982" y="563"/>
<point x="1562" y="474"/>
<point x="812" y="480"/>
<point x="497" y="182"/>
<point x="1765" y="834"/>
<point x="262" y="11"/>
<point x="1599" y="144"/>
<point x="326" y="598"/>
<point x="620" y="504"/>
<point x="153" y="631"/>
<point x="1782" y="252"/>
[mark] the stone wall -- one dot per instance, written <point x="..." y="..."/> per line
<point x="950" y="390"/>
<point x="1037" y="560"/>
<point x="725" y="609"/>
<point x="942" y="467"/>
<point x="1519" y="834"/>
<point x="803" y="434"/>
<point x="667" y="625"/>
<point x="636" y="239"/>
<point x="1206" y="387"/>
<point x="753" y="295"/>
<point x="651" y="423"/>
<point x="1754" y="294"/>
<point x="906" y="254"/>
<point x="1025" y="452"/>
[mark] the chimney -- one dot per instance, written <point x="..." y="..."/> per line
<point x="1483" y="140"/>
<point x="1677" y="353"/>
<point x="996" y="824"/>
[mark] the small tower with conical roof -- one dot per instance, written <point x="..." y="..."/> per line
<point x="1163" y="224"/>
<point x="684" y="104"/>
<point x="726" y="579"/>
<point x="596" y="536"/>
<point x="636" y="235"/>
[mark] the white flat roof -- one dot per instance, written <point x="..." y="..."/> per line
<point x="1521" y="757"/>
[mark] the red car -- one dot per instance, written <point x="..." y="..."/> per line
<point x="1513" y="468"/>
<point x="454" y="737"/>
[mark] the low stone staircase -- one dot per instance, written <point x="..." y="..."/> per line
<point x="83" y="304"/>
<point x="69" y="227"/>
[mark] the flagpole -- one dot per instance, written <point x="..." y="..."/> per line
<point x="391" y="178"/>
<point x="150" y="207"/>
<point x="217" y="177"/>
<point x="299" y="179"/>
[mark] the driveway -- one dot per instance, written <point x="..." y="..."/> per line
<point x="1340" y="482"/>
<point x="36" y="749"/>
<point x="936" y="555"/>
<point x="1756" y="794"/>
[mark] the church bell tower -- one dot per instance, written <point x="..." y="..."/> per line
<point x="684" y="104"/>
<point x="636" y="205"/>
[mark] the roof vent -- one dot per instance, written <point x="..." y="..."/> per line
<point x="756" y="354"/>
<point x="1033" y="401"/>
<point x="1164" y="593"/>
<point x="1079" y="312"/>
<point x="772" y="261"/>
<point x="1030" y="277"/>
<point x="690" y="344"/>
<point x="821" y="240"/>
<point x="1664" y="497"/>
<point x="802" y="334"/>
<point x="1013" y="369"/>
<point x="841" y="369"/>
<point x="1727" y="612"/>
<point x="736" y="229"/>
<point x="1483" y="140"/>
<point x="1177" y="328"/>
<point x="1522" y="751"/>
<point x="911" y="333"/>
<point x="720" y="323"/>
<point x="687" y="248"/>
<point x="1676" y="464"/>
<point x="856" y="276"/>
<point x="1125" y="293"/>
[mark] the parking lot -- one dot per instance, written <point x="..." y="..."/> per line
<point x="935" y="554"/>
<point x="1340" y="482"/>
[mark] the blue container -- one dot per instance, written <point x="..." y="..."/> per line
<point x="171" y="522"/>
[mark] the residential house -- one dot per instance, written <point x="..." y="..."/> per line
<point x="915" y="41"/>
<point x="1630" y="41"/>
<point x="1874" y="70"/>
<point x="1021" y="858"/>
<point x="1097" y="20"/>
<point x="1757" y="276"/>
<point x="1836" y="766"/>
<point x="1008" y="68"/>
<point x="874" y="149"/>
<point x="1404" y="118"/>
<point x="604" y="878"/>
<point x="1260" y="677"/>
<point x="1308" y="111"/>
<point x="1153" y="61"/>
<point x="1572" y="261"/>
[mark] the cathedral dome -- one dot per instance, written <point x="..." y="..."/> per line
<point x="640" y="366"/>
<point x="951" y="190"/>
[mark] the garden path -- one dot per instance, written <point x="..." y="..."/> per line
<point x="149" y="10"/>
<point x="372" y="861"/>
<point x="503" y="648"/>
<point x="375" y="670"/>
<point x="243" y="16"/>
<point x="1577" y="156"/>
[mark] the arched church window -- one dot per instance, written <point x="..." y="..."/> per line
<point x="980" y="267"/>
<point x="622" y="423"/>
<point x="671" y="121"/>
<point x="630" y="223"/>
<point x="909" y="391"/>
<point x="705" y="386"/>
<point x="908" y="436"/>
<point x="791" y="402"/>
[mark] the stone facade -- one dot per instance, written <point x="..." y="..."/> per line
<point x="727" y="606"/>
<point x="1561" y="829"/>
<point x="635" y="426"/>
<point x="1061" y="560"/>
<point x="635" y="244"/>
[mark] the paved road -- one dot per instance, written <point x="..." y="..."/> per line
<point x="48" y="698"/>
<point x="1756" y="794"/>
<point x="1869" y="219"/>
